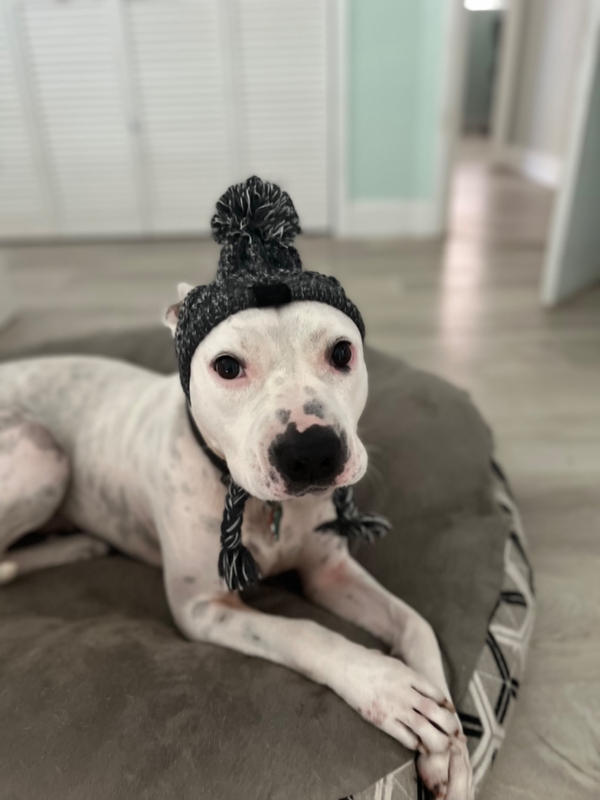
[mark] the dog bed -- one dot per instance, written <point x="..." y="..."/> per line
<point x="101" y="697"/>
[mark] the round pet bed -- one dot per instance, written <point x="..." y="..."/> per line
<point x="103" y="698"/>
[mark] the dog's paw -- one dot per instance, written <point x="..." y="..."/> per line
<point x="448" y="776"/>
<point x="400" y="702"/>
<point x="433" y="769"/>
<point x="460" y="777"/>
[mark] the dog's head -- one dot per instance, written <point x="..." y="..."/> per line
<point x="278" y="393"/>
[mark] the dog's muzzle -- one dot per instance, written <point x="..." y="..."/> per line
<point x="308" y="460"/>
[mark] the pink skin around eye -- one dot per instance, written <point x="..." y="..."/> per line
<point x="353" y="359"/>
<point x="232" y="383"/>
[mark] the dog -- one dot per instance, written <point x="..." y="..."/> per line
<point x="275" y="393"/>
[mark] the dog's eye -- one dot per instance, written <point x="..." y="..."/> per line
<point x="341" y="354"/>
<point x="227" y="367"/>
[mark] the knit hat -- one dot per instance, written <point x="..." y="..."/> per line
<point x="256" y="223"/>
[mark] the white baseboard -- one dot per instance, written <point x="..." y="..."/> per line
<point x="543" y="168"/>
<point x="382" y="218"/>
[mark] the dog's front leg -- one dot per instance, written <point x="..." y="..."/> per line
<point x="333" y="579"/>
<point x="380" y="688"/>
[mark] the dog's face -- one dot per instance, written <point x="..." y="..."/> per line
<point x="278" y="392"/>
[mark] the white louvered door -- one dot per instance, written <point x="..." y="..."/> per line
<point x="132" y="116"/>
<point x="281" y="114"/>
<point x="71" y="49"/>
<point x="24" y="205"/>
<point x="182" y="109"/>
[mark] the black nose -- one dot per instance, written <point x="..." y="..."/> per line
<point x="312" y="458"/>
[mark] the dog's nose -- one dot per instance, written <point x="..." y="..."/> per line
<point x="311" y="458"/>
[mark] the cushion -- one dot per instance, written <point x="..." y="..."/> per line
<point x="102" y="697"/>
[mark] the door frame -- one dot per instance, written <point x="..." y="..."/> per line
<point x="551" y="291"/>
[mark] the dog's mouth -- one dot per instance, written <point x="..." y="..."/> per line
<point x="281" y="472"/>
<point x="315" y="490"/>
<point x="279" y="492"/>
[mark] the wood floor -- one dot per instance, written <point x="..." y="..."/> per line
<point x="466" y="308"/>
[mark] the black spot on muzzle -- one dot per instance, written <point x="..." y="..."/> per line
<point x="314" y="408"/>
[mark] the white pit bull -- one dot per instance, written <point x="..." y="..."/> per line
<point x="277" y="393"/>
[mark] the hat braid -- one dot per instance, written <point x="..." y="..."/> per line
<point x="236" y="563"/>
<point x="350" y="522"/>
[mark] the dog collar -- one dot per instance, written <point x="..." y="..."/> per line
<point x="214" y="459"/>
<point x="275" y="510"/>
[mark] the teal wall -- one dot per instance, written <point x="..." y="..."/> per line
<point x="395" y="76"/>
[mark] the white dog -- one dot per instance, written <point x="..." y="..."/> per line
<point x="277" y="393"/>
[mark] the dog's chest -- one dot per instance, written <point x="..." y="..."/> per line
<point x="275" y="534"/>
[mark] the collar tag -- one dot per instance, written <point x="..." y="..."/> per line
<point x="275" y="518"/>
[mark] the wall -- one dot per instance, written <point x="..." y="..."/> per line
<point x="483" y="32"/>
<point x="573" y="261"/>
<point x="548" y="56"/>
<point x="552" y="34"/>
<point x="395" y="80"/>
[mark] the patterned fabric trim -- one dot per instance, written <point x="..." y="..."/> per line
<point x="494" y="686"/>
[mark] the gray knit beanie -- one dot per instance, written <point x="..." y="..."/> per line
<point x="255" y="222"/>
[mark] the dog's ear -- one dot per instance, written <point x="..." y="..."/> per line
<point x="183" y="289"/>
<point x="172" y="313"/>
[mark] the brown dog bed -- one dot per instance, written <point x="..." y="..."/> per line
<point x="102" y="698"/>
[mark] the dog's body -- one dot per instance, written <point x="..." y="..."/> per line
<point x="109" y="448"/>
<point x="135" y="472"/>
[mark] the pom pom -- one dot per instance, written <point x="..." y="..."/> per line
<point x="258" y="209"/>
